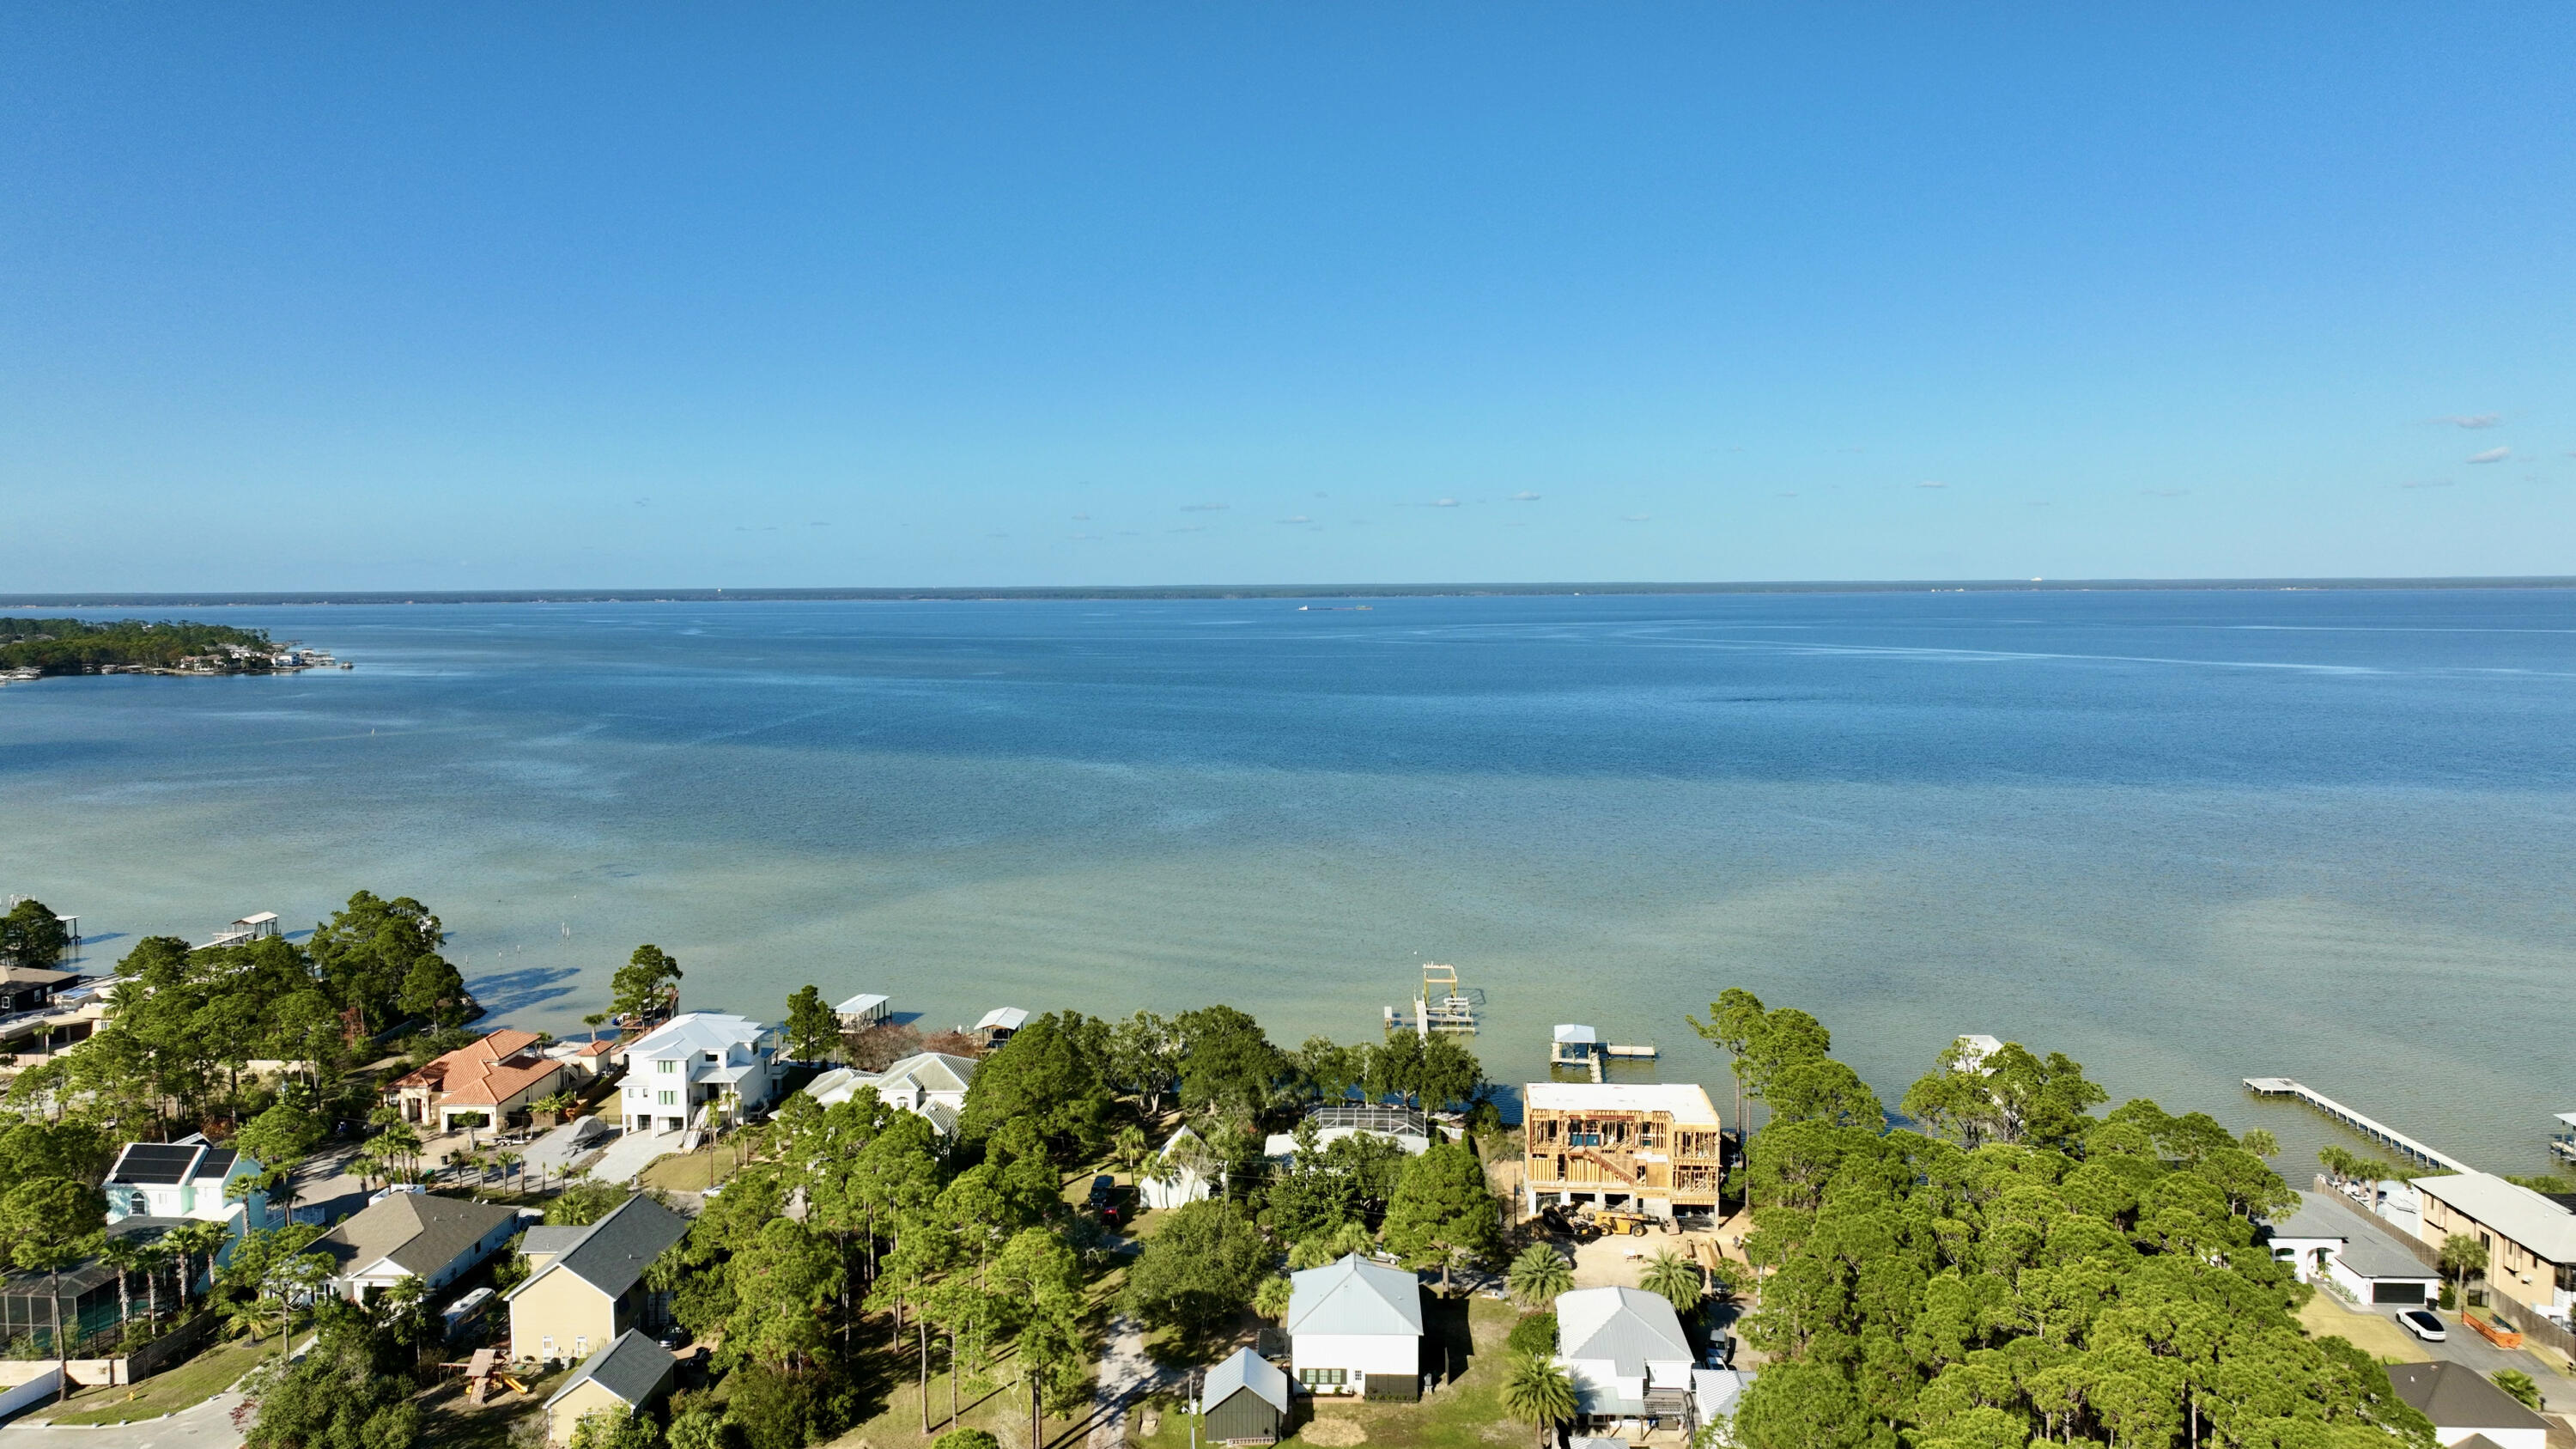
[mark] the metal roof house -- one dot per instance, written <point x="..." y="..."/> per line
<point x="690" y="1067"/>
<point x="926" y="1084"/>
<point x="1626" y="1353"/>
<point x="1356" y="1327"/>
<point x="2464" y="1405"/>
<point x="413" y="1235"/>
<point x="2530" y="1239"/>
<point x="1191" y="1178"/>
<point x="625" y="1377"/>
<point x="1244" y="1401"/>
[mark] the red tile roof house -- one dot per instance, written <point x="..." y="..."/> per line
<point x="497" y="1076"/>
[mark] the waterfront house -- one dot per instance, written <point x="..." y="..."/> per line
<point x="494" y="1077"/>
<point x="31" y="988"/>
<point x="189" y="1178"/>
<point x="1244" y="1401"/>
<point x="997" y="1025"/>
<point x="583" y="1062"/>
<point x="2351" y="1253"/>
<point x="863" y="1011"/>
<point x="1183" y="1171"/>
<point x="626" y="1377"/>
<point x="586" y="1286"/>
<point x="1355" y="1327"/>
<point x="1332" y="1122"/>
<point x="692" y="1068"/>
<point x="2530" y="1237"/>
<point x="926" y="1084"/>
<point x="1626" y="1353"/>
<point x="2465" y="1406"/>
<point x="1657" y="1150"/>
<point x="413" y="1235"/>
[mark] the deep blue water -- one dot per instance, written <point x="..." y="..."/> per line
<point x="2186" y="836"/>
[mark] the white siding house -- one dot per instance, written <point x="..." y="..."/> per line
<point x="926" y="1084"/>
<point x="1181" y="1173"/>
<point x="1626" y="1353"/>
<point x="692" y="1065"/>
<point x="1356" y="1323"/>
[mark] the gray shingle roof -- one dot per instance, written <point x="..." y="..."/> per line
<point x="633" y="1367"/>
<point x="1246" y="1370"/>
<point x="1355" y="1296"/>
<point x="547" y="1242"/>
<point x="419" y="1231"/>
<point x="614" y="1252"/>
<point x="2456" y="1396"/>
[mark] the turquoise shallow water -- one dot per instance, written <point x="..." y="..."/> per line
<point x="2186" y="837"/>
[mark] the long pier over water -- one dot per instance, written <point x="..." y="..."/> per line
<point x="2377" y="1132"/>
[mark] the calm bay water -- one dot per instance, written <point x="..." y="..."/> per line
<point x="2186" y="837"/>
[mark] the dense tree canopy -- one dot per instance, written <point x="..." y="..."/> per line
<point x="1200" y="1270"/>
<point x="1042" y="1076"/>
<point x="31" y="935"/>
<point x="82" y="646"/>
<point x="2097" y="1280"/>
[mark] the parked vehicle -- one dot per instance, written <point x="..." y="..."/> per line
<point x="2424" y="1324"/>
<point x="1104" y="1197"/>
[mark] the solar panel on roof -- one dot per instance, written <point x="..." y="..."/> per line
<point x="155" y="1162"/>
<point x="219" y="1160"/>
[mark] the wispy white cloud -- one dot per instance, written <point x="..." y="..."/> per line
<point x="1636" y="518"/>
<point x="1444" y="502"/>
<point x="2491" y="455"/>
<point x="1524" y="497"/>
<point x="2472" y="420"/>
<point x="1296" y="518"/>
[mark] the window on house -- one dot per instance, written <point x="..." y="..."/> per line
<point x="581" y="1345"/>
<point x="549" y="1346"/>
<point x="1323" y="1376"/>
<point x="666" y="1066"/>
<point x="670" y="1099"/>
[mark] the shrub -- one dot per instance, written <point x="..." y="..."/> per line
<point x="1535" y="1333"/>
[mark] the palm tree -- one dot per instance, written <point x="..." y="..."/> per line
<point x="191" y="1241"/>
<point x="1538" y="1393"/>
<point x="124" y="1255"/>
<point x="149" y="1260"/>
<point x="1271" y="1301"/>
<point x="1675" y="1279"/>
<point x="1131" y="1146"/>
<point x="1538" y="1275"/>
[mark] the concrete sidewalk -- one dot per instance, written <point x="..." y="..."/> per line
<point x="631" y="1154"/>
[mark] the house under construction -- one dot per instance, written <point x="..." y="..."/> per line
<point x="1658" y="1151"/>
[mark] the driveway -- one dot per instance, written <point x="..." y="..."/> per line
<point x="631" y="1154"/>
<point x="1126" y="1375"/>
<point x="204" y="1426"/>
<point x="2375" y="1330"/>
<point x="551" y="1154"/>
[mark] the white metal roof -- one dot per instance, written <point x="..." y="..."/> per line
<point x="1355" y="1297"/>
<point x="1568" y="1031"/>
<point x="865" y="1001"/>
<point x="1008" y="1018"/>
<point x="261" y="919"/>
<point x="1629" y="1327"/>
<point x="2567" y="1117"/>
<point x="2516" y="1212"/>
<point x="1686" y="1101"/>
<point x="1246" y="1370"/>
<point x="710" y="1031"/>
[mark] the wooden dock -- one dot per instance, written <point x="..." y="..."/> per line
<point x="1579" y="1048"/>
<point x="2380" y="1133"/>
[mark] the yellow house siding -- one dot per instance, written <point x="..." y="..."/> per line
<point x="579" y="1318"/>
<point x="586" y="1397"/>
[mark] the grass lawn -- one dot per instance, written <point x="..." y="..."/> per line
<point x="1466" y="1413"/>
<point x="201" y="1378"/>
<point x="691" y="1171"/>
<point x="449" y="1422"/>
<point x="2376" y="1334"/>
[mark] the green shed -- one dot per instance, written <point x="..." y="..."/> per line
<point x="1245" y="1400"/>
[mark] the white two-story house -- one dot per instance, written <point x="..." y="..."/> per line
<point x="698" y="1070"/>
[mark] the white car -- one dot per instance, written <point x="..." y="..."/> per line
<point x="2424" y="1324"/>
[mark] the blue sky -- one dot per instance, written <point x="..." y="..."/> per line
<point x="560" y="296"/>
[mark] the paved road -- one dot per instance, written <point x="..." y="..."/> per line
<point x="206" y="1426"/>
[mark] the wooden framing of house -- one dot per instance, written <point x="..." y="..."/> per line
<point x="1659" y="1150"/>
